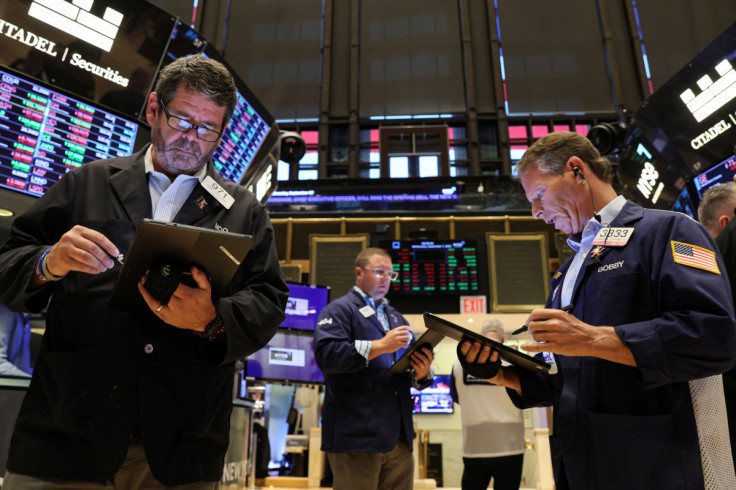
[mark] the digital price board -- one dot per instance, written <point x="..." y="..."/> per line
<point x="718" y="174"/>
<point x="435" y="266"/>
<point x="44" y="134"/>
<point x="240" y="141"/>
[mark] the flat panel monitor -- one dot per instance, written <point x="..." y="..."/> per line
<point x="435" y="266"/>
<point x="45" y="133"/>
<point x="304" y="305"/>
<point x="719" y="173"/>
<point x="106" y="51"/>
<point x="288" y="358"/>
<point x="435" y="398"/>
<point x="685" y="127"/>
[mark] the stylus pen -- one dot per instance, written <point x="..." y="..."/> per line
<point x="524" y="328"/>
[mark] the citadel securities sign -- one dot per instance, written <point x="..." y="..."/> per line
<point x="75" y="59"/>
<point x="87" y="47"/>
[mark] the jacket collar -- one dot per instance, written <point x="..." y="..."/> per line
<point x="130" y="184"/>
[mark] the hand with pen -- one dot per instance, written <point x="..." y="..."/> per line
<point x="562" y="333"/>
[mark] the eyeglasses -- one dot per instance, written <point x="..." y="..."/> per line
<point x="382" y="273"/>
<point x="182" y="125"/>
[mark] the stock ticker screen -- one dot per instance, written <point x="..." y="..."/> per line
<point x="44" y="134"/>
<point x="240" y="141"/>
<point x="435" y="266"/>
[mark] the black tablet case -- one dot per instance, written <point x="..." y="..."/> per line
<point x="403" y="365"/>
<point x="508" y="354"/>
<point x="218" y="253"/>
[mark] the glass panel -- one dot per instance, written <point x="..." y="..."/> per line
<point x="398" y="167"/>
<point x="488" y="140"/>
<point x="517" y="132"/>
<point x="282" y="172"/>
<point x="429" y="166"/>
<point x="539" y="130"/>
<point x="410" y="58"/>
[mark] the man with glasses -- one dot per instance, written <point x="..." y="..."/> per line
<point x="367" y="428"/>
<point x="139" y="399"/>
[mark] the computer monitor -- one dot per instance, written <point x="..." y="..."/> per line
<point x="435" y="398"/>
<point x="719" y="173"/>
<point x="46" y="132"/>
<point x="288" y="358"/>
<point x="304" y="305"/>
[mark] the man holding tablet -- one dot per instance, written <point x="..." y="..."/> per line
<point x="367" y="429"/>
<point x="635" y="363"/>
<point x="139" y="399"/>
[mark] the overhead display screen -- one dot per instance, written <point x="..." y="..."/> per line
<point x="689" y="123"/>
<point x="106" y="51"/>
<point x="718" y="174"/>
<point x="434" y="266"/>
<point x="45" y="133"/>
<point x="240" y="142"/>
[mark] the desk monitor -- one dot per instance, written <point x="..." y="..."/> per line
<point x="435" y="398"/>
<point x="288" y="358"/>
<point x="304" y="305"/>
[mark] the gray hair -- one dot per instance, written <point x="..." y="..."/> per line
<point x="551" y="152"/>
<point x="202" y="75"/>
<point x="493" y="325"/>
<point x="716" y="202"/>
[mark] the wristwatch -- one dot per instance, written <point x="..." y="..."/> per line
<point x="214" y="329"/>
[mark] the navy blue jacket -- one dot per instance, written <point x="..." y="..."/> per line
<point x="618" y="426"/>
<point x="366" y="407"/>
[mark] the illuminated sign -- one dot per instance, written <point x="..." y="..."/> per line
<point x="648" y="178"/>
<point x="714" y="95"/>
<point x="716" y="130"/>
<point x="75" y="18"/>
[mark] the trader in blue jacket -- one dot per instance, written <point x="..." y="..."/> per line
<point x="367" y="429"/>
<point x="635" y="363"/>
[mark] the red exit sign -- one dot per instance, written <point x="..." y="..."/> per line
<point x="472" y="304"/>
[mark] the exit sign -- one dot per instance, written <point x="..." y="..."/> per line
<point x="472" y="304"/>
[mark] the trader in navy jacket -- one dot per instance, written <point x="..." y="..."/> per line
<point x="367" y="428"/>
<point x="635" y="363"/>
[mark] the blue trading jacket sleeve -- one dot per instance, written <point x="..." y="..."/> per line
<point x="694" y="335"/>
<point x="334" y="341"/>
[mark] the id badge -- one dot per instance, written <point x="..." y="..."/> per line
<point x="613" y="237"/>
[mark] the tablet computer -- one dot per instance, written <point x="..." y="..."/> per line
<point x="403" y="365"/>
<point x="508" y="354"/>
<point x="217" y="253"/>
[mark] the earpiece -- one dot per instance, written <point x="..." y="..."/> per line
<point x="576" y="171"/>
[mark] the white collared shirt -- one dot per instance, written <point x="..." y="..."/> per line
<point x="168" y="197"/>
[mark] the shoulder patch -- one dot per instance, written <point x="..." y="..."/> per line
<point x="694" y="256"/>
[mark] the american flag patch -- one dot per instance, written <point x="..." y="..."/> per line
<point x="694" y="256"/>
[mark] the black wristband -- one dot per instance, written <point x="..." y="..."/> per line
<point x="486" y="370"/>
